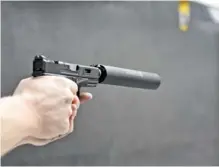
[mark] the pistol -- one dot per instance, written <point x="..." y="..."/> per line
<point x="92" y="75"/>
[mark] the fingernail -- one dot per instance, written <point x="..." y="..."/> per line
<point x="90" y="96"/>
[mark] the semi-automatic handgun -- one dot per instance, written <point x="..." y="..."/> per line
<point x="92" y="75"/>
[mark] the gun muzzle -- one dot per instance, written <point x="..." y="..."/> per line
<point x="128" y="78"/>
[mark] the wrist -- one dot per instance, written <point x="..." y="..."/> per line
<point x="29" y="115"/>
<point x="19" y="114"/>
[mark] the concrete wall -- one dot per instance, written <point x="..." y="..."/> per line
<point x="175" y="125"/>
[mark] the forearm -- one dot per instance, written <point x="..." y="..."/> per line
<point x="17" y="122"/>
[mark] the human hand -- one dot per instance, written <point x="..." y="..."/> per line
<point x="53" y="103"/>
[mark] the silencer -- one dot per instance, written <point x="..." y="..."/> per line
<point x="129" y="78"/>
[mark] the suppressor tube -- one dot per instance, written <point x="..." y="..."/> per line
<point x="128" y="78"/>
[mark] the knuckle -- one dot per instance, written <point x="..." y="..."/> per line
<point x="66" y="82"/>
<point x="67" y="100"/>
<point x="61" y="79"/>
<point x="23" y="81"/>
<point x="68" y="94"/>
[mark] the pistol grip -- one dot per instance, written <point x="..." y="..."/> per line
<point x="78" y="92"/>
<point x="81" y="83"/>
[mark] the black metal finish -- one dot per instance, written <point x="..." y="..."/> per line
<point x="131" y="78"/>
<point x="90" y="76"/>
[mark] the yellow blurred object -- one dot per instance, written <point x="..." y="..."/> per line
<point x="184" y="15"/>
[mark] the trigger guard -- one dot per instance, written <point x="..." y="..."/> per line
<point x="80" y="83"/>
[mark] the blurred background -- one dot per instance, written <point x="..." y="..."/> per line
<point x="174" y="125"/>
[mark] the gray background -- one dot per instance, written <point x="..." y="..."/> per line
<point x="175" y="125"/>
